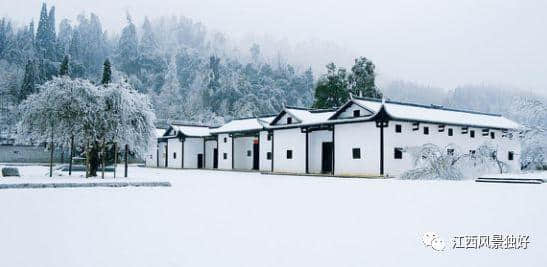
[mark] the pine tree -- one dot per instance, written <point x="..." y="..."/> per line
<point x="29" y="81"/>
<point x="362" y="79"/>
<point x="107" y="72"/>
<point x="128" y="48"/>
<point x="64" y="69"/>
<point x="332" y="89"/>
<point x="51" y="48"/>
<point x="42" y="33"/>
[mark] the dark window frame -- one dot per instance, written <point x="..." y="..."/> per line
<point x="398" y="153"/>
<point x="268" y="155"/>
<point x="426" y="130"/>
<point x="356" y="113"/>
<point x="510" y="155"/>
<point x="224" y="155"/>
<point x="472" y="133"/>
<point x="289" y="154"/>
<point x="450" y="132"/>
<point x="289" y="120"/>
<point x="249" y="153"/>
<point x="174" y="155"/>
<point x="356" y="153"/>
<point x="225" y="139"/>
<point x="398" y="128"/>
<point x="492" y="135"/>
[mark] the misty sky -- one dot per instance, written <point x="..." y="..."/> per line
<point x="432" y="42"/>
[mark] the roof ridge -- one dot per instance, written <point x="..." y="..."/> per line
<point x="190" y="124"/>
<point x="312" y="110"/>
<point x="430" y="106"/>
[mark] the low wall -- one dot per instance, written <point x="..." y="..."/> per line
<point x="34" y="154"/>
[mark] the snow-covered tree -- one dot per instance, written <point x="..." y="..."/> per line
<point x="128" y="48"/>
<point x="450" y="163"/>
<point x="362" y="79"/>
<point x="532" y="114"/>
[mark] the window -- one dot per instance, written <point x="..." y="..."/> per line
<point x="269" y="137"/>
<point x="398" y="153"/>
<point x="493" y="135"/>
<point x="225" y="155"/>
<point x="269" y="155"/>
<point x="441" y="128"/>
<point x="510" y="155"/>
<point x="289" y="154"/>
<point x="398" y="128"/>
<point x="450" y="151"/>
<point x="175" y="155"/>
<point x="356" y="153"/>
<point x="450" y="132"/>
<point x="472" y="133"/>
<point x="426" y="130"/>
<point x="356" y="113"/>
<point x="225" y="140"/>
<point x="472" y="153"/>
<point x="249" y="153"/>
<point x="289" y="120"/>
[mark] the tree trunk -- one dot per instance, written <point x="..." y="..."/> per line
<point x="71" y="155"/>
<point x="126" y="152"/>
<point x="103" y="158"/>
<point x="115" y="158"/>
<point x="51" y="157"/>
<point x="94" y="160"/>
<point x="87" y="155"/>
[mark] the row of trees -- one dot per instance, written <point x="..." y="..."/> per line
<point x="95" y="118"/>
<point x="167" y="58"/>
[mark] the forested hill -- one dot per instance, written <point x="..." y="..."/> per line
<point x="190" y="73"/>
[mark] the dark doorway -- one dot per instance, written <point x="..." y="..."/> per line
<point x="326" y="159"/>
<point x="256" y="154"/>
<point x="200" y="161"/>
<point x="215" y="158"/>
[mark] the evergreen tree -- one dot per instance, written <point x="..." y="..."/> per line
<point x="52" y="52"/>
<point x="28" y="86"/>
<point x="63" y="70"/>
<point x="107" y="72"/>
<point x="128" y="48"/>
<point x="42" y="33"/>
<point x="331" y="90"/>
<point x="362" y="79"/>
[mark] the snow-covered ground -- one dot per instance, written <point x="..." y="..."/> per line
<point x="214" y="218"/>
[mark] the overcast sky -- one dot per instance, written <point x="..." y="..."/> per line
<point x="433" y="42"/>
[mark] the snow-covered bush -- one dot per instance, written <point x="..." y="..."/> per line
<point x="450" y="163"/>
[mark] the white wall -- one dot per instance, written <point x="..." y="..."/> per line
<point x="225" y="164"/>
<point x="283" y="119"/>
<point x="461" y="142"/>
<point x="192" y="147"/>
<point x="348" y="113"/>
<point x="151" y="155"/>
<point x="315" y="147"/>
<point x="210" y="145"/>
<point x="241" y="146"/>
<point x="363" y="135"/>
<point x="175" y="146"/>
<point x="265" y="147"/>
<point x="294" y="140"/>
<point x="162" y="147"/>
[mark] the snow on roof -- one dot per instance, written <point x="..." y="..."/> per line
<point x="438" y="114"/>
<point x="160" y="132"/>
<point x="190" y="130"/>
<point x="238" y="125"/>
<point x="305" y="116"/>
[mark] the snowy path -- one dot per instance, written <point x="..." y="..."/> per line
<point x="211" y="218"/>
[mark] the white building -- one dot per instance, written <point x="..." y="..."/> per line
<point x="364" y="137"/>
